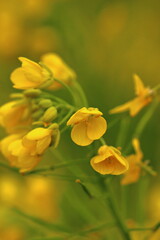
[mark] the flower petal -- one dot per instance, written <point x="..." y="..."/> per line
<point x="139" y="86"/>
<point x="20" y="80"/>
<point x="121" y="108"/>
<point x="38" y="133"/>
<point x="97" y="126"/>
<point x="79" y="134"/>
<point x="42" y="145"/>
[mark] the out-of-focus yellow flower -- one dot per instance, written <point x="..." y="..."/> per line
<point x="18" y="156"/>
<point x="109" y="161"/>
<point x="134" y="106"/>
<point x="14" y="116"/>
<point x="11" y="33"/>
<point x="88" y="125"/>
<point x="12" y="233"/>
<point x="155" y="235"/>
<point x="4" y="144"/>
<point x="134" y="160"/>
<point x="30" y="75"/>
<point x="37" y="140"/>
<point x="59" y="68"/>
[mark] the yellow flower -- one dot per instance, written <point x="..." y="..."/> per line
<point x="59" y="68"/>
<point x="18" y="156"/>
<point x="134" y="160"/>
<point x="14" y="116"/>
<point x="134" y="106"/>
<point x="88" y="125"/>
<point x="109" y="161"/>
<point x="37" y="140"/>
<point x="30" y="75"/>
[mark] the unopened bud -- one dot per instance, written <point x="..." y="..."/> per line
<point x="37" y="114"/>
<point x="50" y="114"/>
<point x="32" y="93"/>
<point x="45" y="103"/>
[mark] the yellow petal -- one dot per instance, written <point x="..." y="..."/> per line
<point x="137" y="104"/>
<point x="15" y="147"/>
<point x="4" y="144"/>
<point x="29" y="63"/>
<point x="78" y="116"/>
<point x="133" y="173"/>
<point x="139" y="86"/>
<point x="20" y="80"/>
<point x="122" y="108"/>
<point x="97" y="126"/>
<point x="102" y="167"/>
<point x="136" y="145"/>
<point x="38" y="133"/>
<point x="83" y="114"/>
<point x="79" y="134"/>
<point x="42" y="145"/>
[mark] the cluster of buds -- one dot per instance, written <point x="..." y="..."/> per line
<point x="32" y="118"/>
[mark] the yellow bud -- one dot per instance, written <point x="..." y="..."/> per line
<point x="45" y="103"/>
<point x="32" y="92"/>
<point x="50" y="114"/>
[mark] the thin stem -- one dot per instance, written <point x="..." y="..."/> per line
<point x="81" y="93"/>
<point x="102" y="141"/>
<point x="114" y="209"/>
<point x="66" y="117"/>
<point x="68" y="88"/>
<point x="140" y="229"/>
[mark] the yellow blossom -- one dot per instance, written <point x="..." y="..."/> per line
<point x="134" y="160"/>
<point x="18" y="156"/>
<point x="37" y="140"/>
<point x="143" y="98"/>
<point x="14" y="116"/>
<point x="30" y="75"/>
<point x="88" y="125"/>
<point x="59" y="68"/>
<point x="109" y="161"/>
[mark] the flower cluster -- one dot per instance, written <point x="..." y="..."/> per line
<point x="35" y="118"/>
<point x="30" y="118"/>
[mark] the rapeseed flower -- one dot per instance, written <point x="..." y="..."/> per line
<point x="37" y="140"/>
<point x="15" y="116"/>
<point x="29" y="75"/>
<point x="88" y="125"/>
<point x="134" y="160"/>
<point x="17" y="155"/>
<point x="59" y="69"/>
<point x="143" y="98"/>
<point x="109" y="161"/>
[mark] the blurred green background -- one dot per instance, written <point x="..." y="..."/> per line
<point x="104" y="41"/>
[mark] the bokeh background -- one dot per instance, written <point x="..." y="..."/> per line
<point x="105" y="42"/>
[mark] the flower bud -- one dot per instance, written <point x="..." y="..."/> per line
<point x="50" y="114"/>
<point x="37" y="114"/>
<point x="45" y="103"/>
<point x="32" y="93"/>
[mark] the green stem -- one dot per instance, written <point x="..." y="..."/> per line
<point x="140" y="229"/>
<point x="68" y="89"/>
<point x="64" y="120"/>
<point x="102" y="141"/>
<point x="82" y="95"/>
<point x="145" y="119"/>
<point x="143" y="122"/>
<point x="115" y="212"/>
